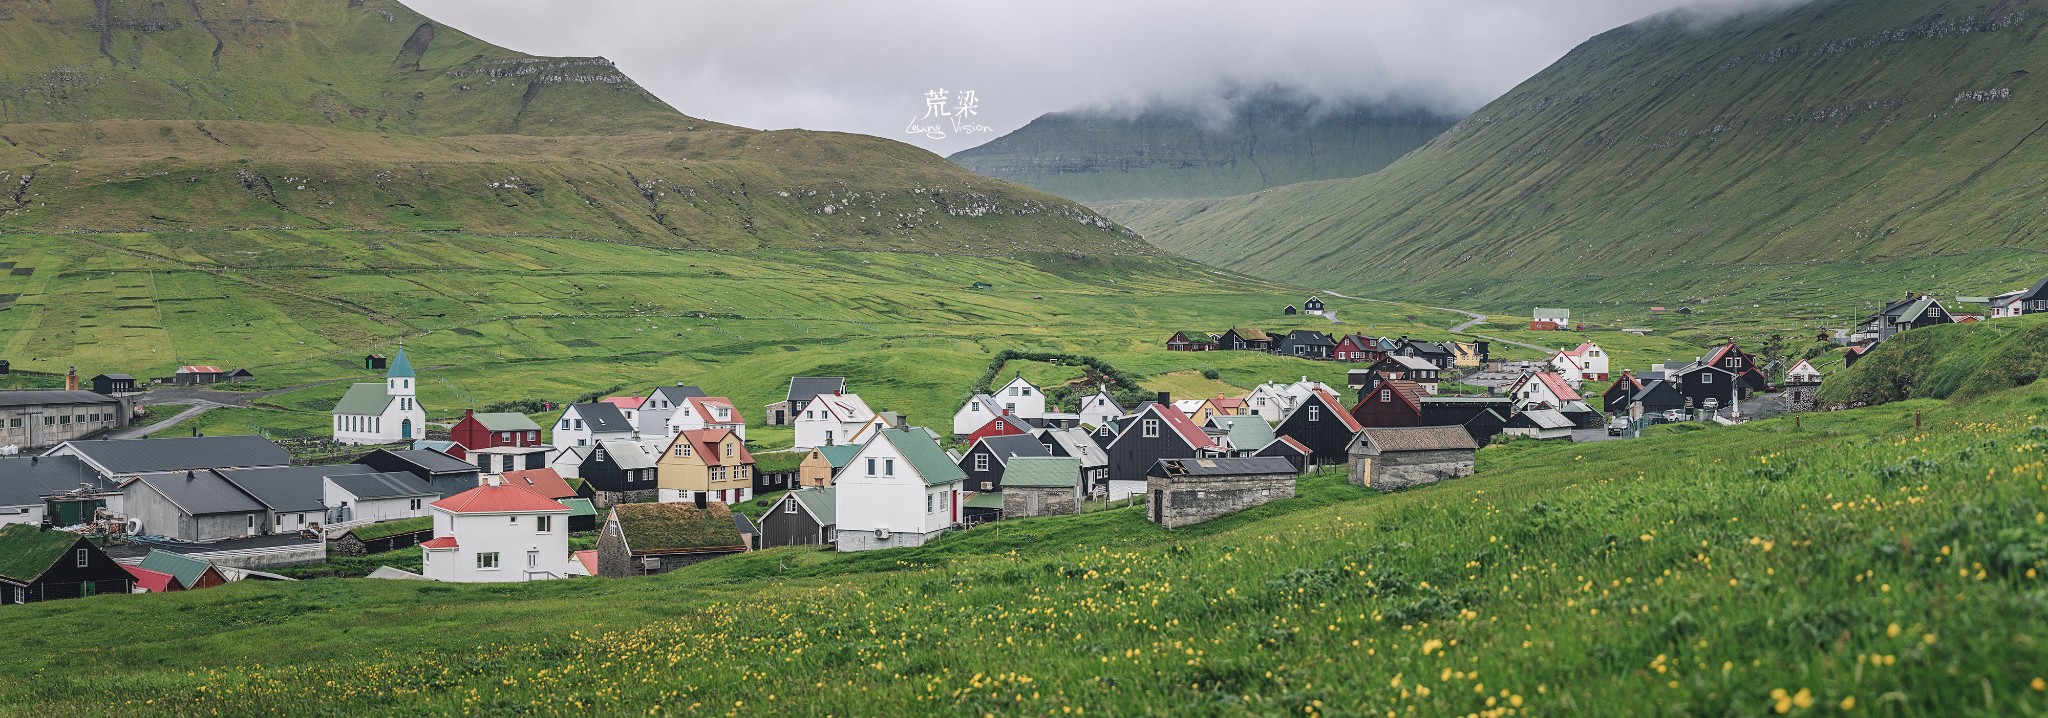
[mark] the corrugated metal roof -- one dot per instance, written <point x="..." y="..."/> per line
<point x="1250" y="466"/>
<point x="384" y="485"/>
<point x="1042" y="472"/>
<point x="142" y="456"/>
<point x="26" y="480"/>
<point x="506" y="421"/>
<point x="364" y="400"/>
<point x="293" y="488"/>
<point x="200" y="493"/>
<point x="629" y="454"/>
<point x="53" y="397"/>
<point x="924" y="455"/>
<point x="822" y="503"/>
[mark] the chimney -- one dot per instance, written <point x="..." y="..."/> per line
<point x="841" y="391"/>
<point x="467" y="413"/>
<point x="700" y="501"/>
<point x="1166" y="398"/>
<point x="71" y="380"/>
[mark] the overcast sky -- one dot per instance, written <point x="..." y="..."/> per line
<point x="865" y="66"/>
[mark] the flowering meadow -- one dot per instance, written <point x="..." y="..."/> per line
<point x="1844" y="564"/>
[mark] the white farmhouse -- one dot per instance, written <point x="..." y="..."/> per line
<point x="1568" y="368"/>
<point x="376" y="497"/>
<point x="831" y="420"/>
<point x="1021" y="399"/>
<point x="497" y="534"/>
<point x="1269" y="401"/>
<point x="1100" y="409"/>
<point x="587" y="424"/>
<point x="900" y="490"/>
<point x="1542" y="390"/>
<point x="1590" y="359"/>
<point x="661" y="404"/>
<point x="977" y="413"/>
<point x="386" y="413"/>
<point x="706" y="412"/>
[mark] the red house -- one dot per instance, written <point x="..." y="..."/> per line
<point x="1000" y="426"/>
<point x="1361" y="348"/>
<point x="513" y="439"/>
<point x="1394" y="403"/>
<point x="1190" y="342"/>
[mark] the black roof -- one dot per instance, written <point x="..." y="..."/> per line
<point x="802" y="388"/>
<point x="429" y="460"/>
<point x="744" y="524"/>
<point x="1251" y="466"/>
<point x="26" y="480"/>
<point x="1310" y="337"/>
<point x="602" y="418"/>
<point x="293" y="488"/>
<point x="1010" y="445"/>
<point x="392" y="485"/>
<point x="143" y="456"/>
<point x="201" y="493"/>
<point x="43" y="397"/>
<point x="115" y="377"/>
<point x="677" y="393"/>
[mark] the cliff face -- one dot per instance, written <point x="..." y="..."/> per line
<point x="1177" y="152"/>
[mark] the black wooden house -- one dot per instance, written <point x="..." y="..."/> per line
<point x="1157" y="431"/>
<point x="984" y="462"/>
<point x="38" y="565"/>
<point x="1323" y="426"/>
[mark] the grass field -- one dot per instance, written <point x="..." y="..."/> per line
<point x="1848" y="564"/>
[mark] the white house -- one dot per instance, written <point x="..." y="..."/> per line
<point x="385" y="413"/>
<point x="1021" y="399"/>
<point x="1802" y="373"/>
<point x="1269" y="401"/>
<point x="497" y="534"/>
<point x="1552" y="315"/>
<point x="629" y="406"/>
<point x="831" y="420"/>
<point x="707" y="412"/>
<point x="587" y="424"/>
<point x="1568" y="368"/>
<point x="662" y="403"/>
<point x="1100" y="409"/>
<point x="376" y="497"/>
<point x="1544" y="389"/>
<point x="900" y="490"/>
<point x="1304" y="389"/>
<point x="567" y="461"/>
<point x="976" y="413"/>
<point x="1590" y="358"/>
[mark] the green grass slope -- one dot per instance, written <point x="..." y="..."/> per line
<point x="1266" y="140"/>
<point x="123" y="115"/>
<point x="1952" y="361"/>
<point x="1845" y="565"/>
<point x="1844" y="145"/>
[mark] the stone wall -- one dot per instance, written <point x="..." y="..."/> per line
<point x="1802" y="397"/>
<point x="607" y="499"/>
<point x="866" y="541"/>
<point x="1194" y="499"/>
<point x="1403" y="469"/>
<point x="1021" y="503"/>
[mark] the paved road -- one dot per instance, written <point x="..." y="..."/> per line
<point x="1475" y="319"/>
<point x="222" y="397"/>
<point x="183" y="416"/>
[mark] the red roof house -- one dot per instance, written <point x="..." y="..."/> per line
<point x="153" y="581"/>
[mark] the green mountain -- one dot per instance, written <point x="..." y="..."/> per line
<point x="1257" y="140"/>
<point x="1848" y="149"/>
<point x="125" y="115"/>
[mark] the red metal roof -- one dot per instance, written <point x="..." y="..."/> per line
<point x="498" y="499"/>
<point x="1298" y="446"/>
<point x="1558" y="386"/>
<point x="153" y="581"/>
<point x="1336" y="406"/>
<point x="588" y="559"/>
<point x="706" y="406"/>
<point x="705" y="443"/>
<point x="1184" y="426"/>
<point x="547" y="483"/>
<point x="442" y="542"/>
<point x="625" y="402"/>
<point x="200" y="370"/>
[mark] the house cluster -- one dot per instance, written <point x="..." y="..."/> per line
<point x="1723" y="378"/>
<point x="1353" y="348"/>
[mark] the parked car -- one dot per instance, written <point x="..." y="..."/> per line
<point x="1711" y="404"/>
<point x="1674" y="416"/>
<point x="1617" y="427"/>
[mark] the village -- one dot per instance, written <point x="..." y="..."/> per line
<point x="652" y="481"/>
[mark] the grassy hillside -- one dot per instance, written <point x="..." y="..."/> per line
<point x="1849" y="148"/>
<point x="1845" y="565"/>
<point x="1953" y="361"/>
<point x="123" y="115"/>
<point x="1262" y="139"/>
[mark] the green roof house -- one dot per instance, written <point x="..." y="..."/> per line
<point x="900" y="490"/>
<point x="38" y="565"/>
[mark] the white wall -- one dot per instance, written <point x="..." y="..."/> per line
<point x="511" y="536"/>
<point x="971" y="418"/>
<point x="31" y="515"/>
<point x="1029" y="400"/>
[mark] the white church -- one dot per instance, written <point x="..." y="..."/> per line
<point x="386" y="413"/>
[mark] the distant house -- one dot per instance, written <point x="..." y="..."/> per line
<point x="1361" y="348"/>
<point x="1306" y="344"/>
<point x="29" y="483"/>
<point x="1437" y="354"/>
<point x="1100" y="408"/>
<point x="705" y="412"/>
<point x="1539" y="424"/>
<point x="498" y="442"/>
<point x="708" y="465"/>
<point x="622" y="471"/>
<point x="999" y="426"/>
<point x="1913" y="312"/>
<point x="1190" y="341"/>
<point x="1237" y="339"/>
<point x="979" y="410"/>
<point x="1700" y="382"/>
<point x="1621" y="393"/>
<point x="652" y="539"/>
<point x="801" y="390"/>
<point x="1656" y="397"/>
<point x="1183" y="492"/>
<point x="588" y="424"/>
<point x="901" y="490"/>
<point x="823" y="463"/>
<point x="497" y="534"/>
<point x="1042" y="486"/>
<point x="1469" y="355"/>
<point x="1290" y="311"/>
<point x="627" y="405"/>
<point x="1394" y="403"/>
<point x="375" y="362"/>
<point x="199" y="374"/>
<point x="1542" y="390"/>
<point x="114" y="384"/>
<point x="986" y="461"/>
<point x="2032" y="300"/>
<point x="386" y="412"/>
<point x="1399" y="458"/>
<point x="37" y="565"/>
<point x="1321" y="424"/>
<point x="448" y="475"/>
<point x="1591" y="360"/>
<point x="1157" y="431"/>
<point x="661" y="404"/>
<point x="1022" y="399"/>
<point x="831" y="419"/>
<point x="1854" y="354"/>
<point x="803" y="517"/>
<point x="1546" y="319"/>
<point x="1237" y="436"/>
<point x="38" y="418"/>
<point x="1269" y="401"/>
<point x="190" y="573"/>
<point x="1314" y="305"/>
<point x="1734" y="360"/>
<point x="1289" y="450"/>
<point x="1803" y="374"/>
<point x="376" y="497"/>
<point x="1413" y="369"/>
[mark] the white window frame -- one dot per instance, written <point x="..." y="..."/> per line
<point x="487" y="561"/>
<point x="84" y="557"/>
<point x="1150" y="429"/>
<point x="544" y="524"/>
<point x="981" y="462"/>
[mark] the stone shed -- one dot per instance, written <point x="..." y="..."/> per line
<point x="1184" y="492"/>
<point x="1041" y="486"/>
<point x="650" y="539"/>
<point x="1390" y="459"/>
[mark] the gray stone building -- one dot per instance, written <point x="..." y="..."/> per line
<point x="1041" y="486"/>
<point x="42" y="418"/>
<point x="1183" y="492"/>
<point x="1397" y="458"/>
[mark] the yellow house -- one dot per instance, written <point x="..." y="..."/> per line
<point x="1464" y="354"/>
<point x="823" y="463"/>
<point x="712" y="464"/>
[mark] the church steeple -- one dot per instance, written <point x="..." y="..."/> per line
<point x="398" y="380"/>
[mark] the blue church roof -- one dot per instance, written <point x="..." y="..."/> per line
<point x="400" y="367"/>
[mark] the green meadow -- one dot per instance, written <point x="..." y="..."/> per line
<point x="1845" y="563"/>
